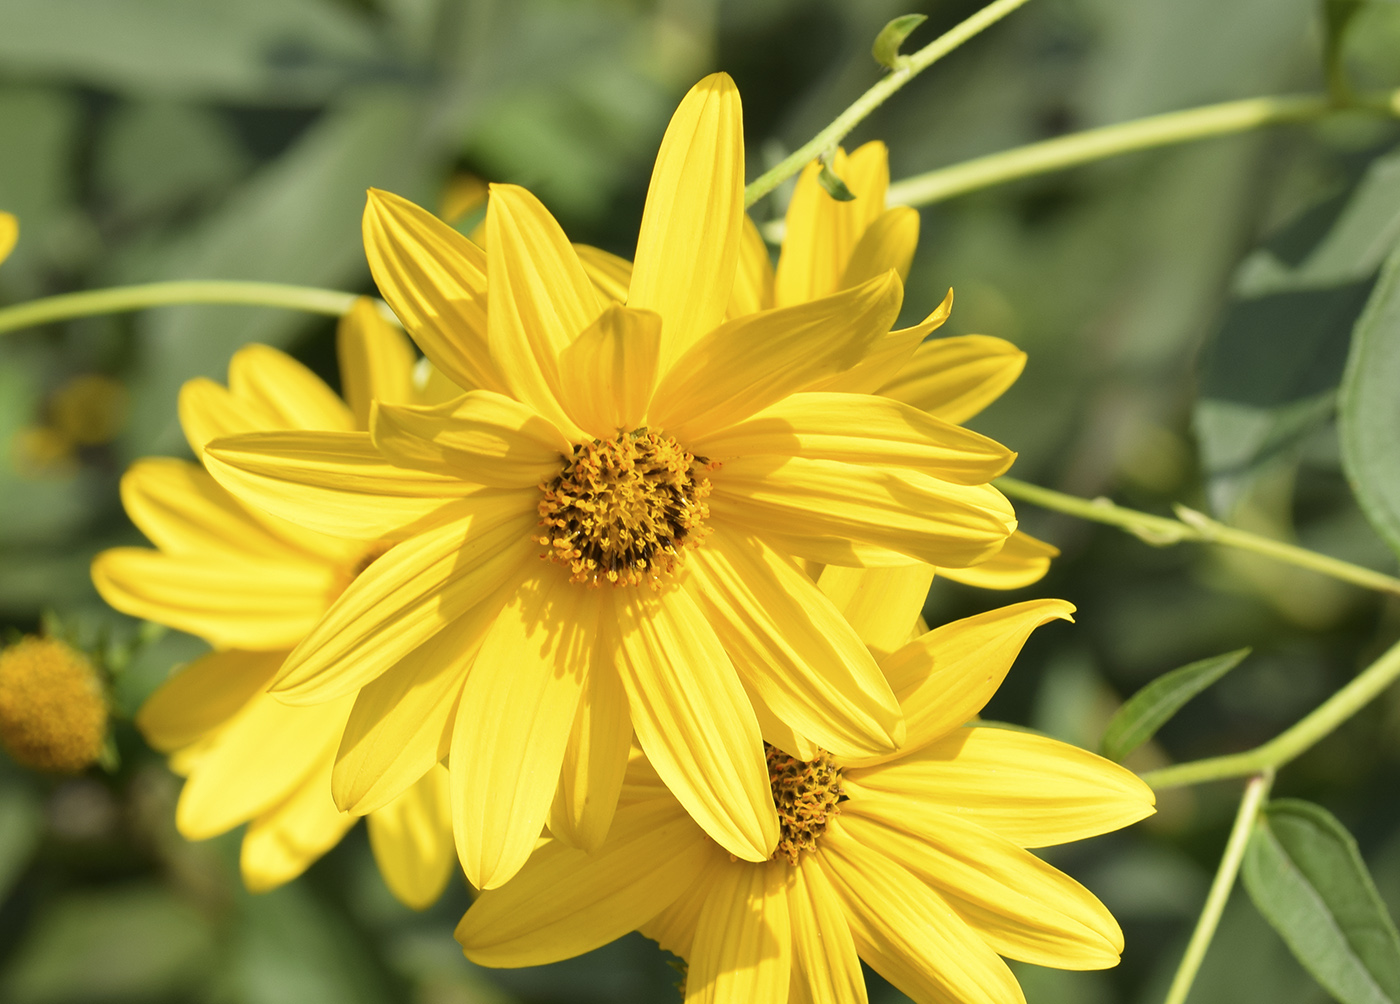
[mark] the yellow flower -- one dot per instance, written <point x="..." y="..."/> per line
<point x="53" y="711"/>
<point x="9" y="234"/>
<point x="668" y="466"/>
<point x="253" y="586"/>
<point x="915" y="862"/>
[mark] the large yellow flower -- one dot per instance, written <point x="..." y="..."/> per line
<point x="601" y="534"/>
<point x="916" y="862"/>
<point x="253" y="586"/>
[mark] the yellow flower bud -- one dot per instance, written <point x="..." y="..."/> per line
<point x="53" y="715"/>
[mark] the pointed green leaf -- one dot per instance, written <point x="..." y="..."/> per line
<point x="892" y="36"/>
<point x="1153" y="706"/>
<point x="1304" y="873"/>
<point x="835" y="187"/>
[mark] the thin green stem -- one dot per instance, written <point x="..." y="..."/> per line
<point x="155" y="294"/>
<point x="1200" y="528"/>
<point x="1254" y="795"/>
<point x="1288" y="745"/>
<point x="909" y="67"/>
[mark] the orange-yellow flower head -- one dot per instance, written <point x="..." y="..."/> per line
<point x="53" y="712"/>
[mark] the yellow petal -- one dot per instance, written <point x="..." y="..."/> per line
<point x="482" y="438"/>
<point x="1032" y="790"/>
<point x="611" y="275"/>
<point x="688" y="245"/>
<point x="881" y="604"/>
<point x="610" y="371"/>
<point x="256" y="761"/>
<point x="821" y="550"/>
<point x="334" y="483"/>
<point x="541" y="298"/>
<point x="930" y="520"/>
<point x="743" y="941"/>
<point x="409" y="595"/>
<point x="753" y="282"/>
<point x="745" y="365"/>
<point x="890" y="355"/>
<point x="288" y="390"/>
<point x="867" y="174"/>
<point x="284" y="841"/>
<point x="209" y="410"/>
<point x="9" y="234"/>
<point x="412" y="841"/>
<point x="861" y="429"/>
<point x="888" y="243"/>
<point x="435" y="279"/>
<point x="230" y="603"/>
<point x="566" y="902"/>
<point x="792" y="645"/>
<point x="1021" y="906"/>
<point x="204" y="695"/>
<point x="694" y="721"/>
<point x="674" y="927"/>
<point x="1023" y="561"/>
<point x="827" y="965"/>
<point x="777" y="732"/>
<point x="376" y="360"/>
<point x="955" y="378"/>
<point x="595" y="761"/>
<point x="907" y="932"/>
<point x="514" y="718"/>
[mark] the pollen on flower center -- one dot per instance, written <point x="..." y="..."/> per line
<point x="621" y="509"/>
<point x="807" y="794"/>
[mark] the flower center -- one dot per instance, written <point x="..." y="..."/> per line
<point x="807" y="795"/>
<point x="622" y="509"/>
<point x="53" y="713"/>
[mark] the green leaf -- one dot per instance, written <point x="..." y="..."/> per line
<point x="835" y="187"/>
<point x="1153" y="706"/>
<point x="1304" y="873"/>
<point x="1338" y="15"/>
<point x="892" y="36"/>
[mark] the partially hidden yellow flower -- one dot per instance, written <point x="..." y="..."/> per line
<point x="916" y="862"/>
<point x="53" y="706"/>
<point x="9" y="234"/>
<point x="253" y="586"/>
<point x="601" y="535"/>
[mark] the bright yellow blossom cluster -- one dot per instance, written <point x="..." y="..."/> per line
<point x="615" y="600"/>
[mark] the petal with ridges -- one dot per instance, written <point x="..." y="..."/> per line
<point x="888" y="357"/>
<point x="284" y="841"/>
<point x="753" y="282"/>
<point x="376" y="360"/>
<point x="204" y="695"/>
<point x="888" y="243"/>
<point x="743" y="939"/>
<point x="611" y="275"/>
<point x="1022" y="562"/>
<point x="827" y="965"/>
<point x="610" y="370"/>
<point x="411" y="838"/>
<point x="281" y="385"/>
<point x="688" y="245"/>
<point x="209" y="410"/>
<point x="595" y="761"/>
<point x="955" y="378"/>
<point x="881" y="604"/>
<point x="674" y="927"/>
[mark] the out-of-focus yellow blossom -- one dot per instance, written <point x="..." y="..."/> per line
<point x="53" y="708"/>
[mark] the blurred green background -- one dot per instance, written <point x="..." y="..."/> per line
<point x="1187" y="313"/>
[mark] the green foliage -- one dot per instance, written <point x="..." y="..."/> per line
<point x="892" y="36"/>
<point x="1153" y="706"/>
<point x="1304" y="873"/>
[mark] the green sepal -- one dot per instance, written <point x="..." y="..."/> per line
<point x="892" y="36"/>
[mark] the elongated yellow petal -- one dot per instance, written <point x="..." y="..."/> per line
<point x="674" y="927"/>
<point x="890" y="355"/>
<point x="566" y="902"/>
<point x="407" y="596"/>
<point x="907" y="932"/>
<point x="1032" y="790"/>
<point x="743" y="941"/>
<point x="745" y="365"/>
<point x="932" y="521"/>
<point x="412" y="841"/>
<point x="541" y="298"/>
<point x="256" y="761"/>
<point x="513" y="722"/>
<point x="284" y="387"/>
<point x="881" y="604"/>
<point x="753" y="282"/>
<point x="861" y="429"/>
<point x="688" y="245"/>
<point x="610" y="371"/>
<point x="821" y="550"/>
<point x="376" y="360"/>
<point x="284" y="841"/>
<point x="827" y="965"/>
<point x="9" y="234"/>
<point x="792" y="645"/>
<point x="209" y="410"/>
<point x="610" y="274"/>
<point x="888" y="243"/>
<point x="204" y="695"/>
<point x="694" y="721"/>
<point x="1023" y="561"/>
<point x="482" y="438"/>
<point x="955" y="378"/>
<point x="435" y="279"/>
<point x="777" y="732"/>
<point x="229" y="603"/>
<point x="595" y="761"/>
<point x="334" y="483"/>
<point x="1021" y="906"/>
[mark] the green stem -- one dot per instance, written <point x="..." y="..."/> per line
<point x="1254" y="795"/>
<point x="909" y="67"/>
<point x="1288" y="745"/>
<point x="156" y="294"/>
<point x="1198" y="527"/>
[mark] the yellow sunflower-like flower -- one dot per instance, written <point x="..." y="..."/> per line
<point x="253" y="586"/>
<point x="601" y="534"/>
<point x="915" y="862"/>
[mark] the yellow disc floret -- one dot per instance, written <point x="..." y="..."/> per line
<point x="807" y="793"/>
<point x="622" y="509"/>
<point x="53" y="715"/>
